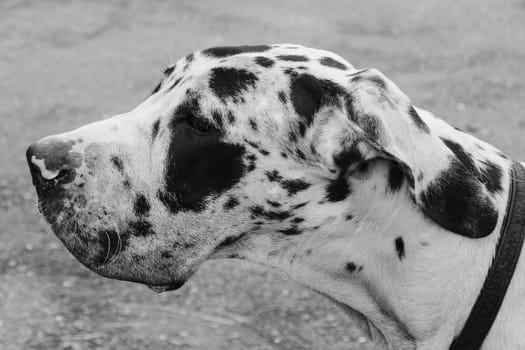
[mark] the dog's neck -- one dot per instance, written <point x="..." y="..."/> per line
<point x="411" y="283"/>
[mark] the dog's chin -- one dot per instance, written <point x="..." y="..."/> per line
<point x="166" y="288"/>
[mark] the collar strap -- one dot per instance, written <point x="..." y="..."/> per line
<point x="500" y="273"/>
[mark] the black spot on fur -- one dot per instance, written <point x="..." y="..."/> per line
<point x="264" y="61"/>
<point x="253" y="125"/>
<point x="169" y="70"/>
<point x="297" y="220"/>
<point x="400" y="247"/>
<point x="231" y="82"/>
<point x="455" y="201"/>
<point x="141" y="206"/>
<point x="155" y="129"/>
<point x="139" y="228"/>
<point x="230" y="240"/>
<point x="417" y="120"/>
<point x="189" y="58"/>
<point x="350" y="267"/>
<point x="273" y="204"/>
<point x="395" y="177"/>
<point x="338" y="189"/>
<point x="463" y="157"/>
<point x="251" y="143"/>
<point x="251" y="162"/>
<point x="292" y="136"/>
<point x="258" y="211"/>
<point x="330" y="62"/>
<point x="291" y="231"/>
<point x="349" y="217"/>
<point x="226" y="51"/>
<point x="157" y="88"/>
<point x="175" y="83"/>
<point x="166" y="255"/>
<point x="348" y="157"/>
<point x="284" y="155"/>
<point x="294" y="58"/>
<point x="300" y="154"/>
<point x="231" y="203"/>
<point x="291" y="186"/>
<point x="300" y="205"/>
<point x="192" y="157"/>
<point x="373" y="79"/>
<point x="126" y="184"/>
<point x="282" y="97"/>
<point x="264" y="152"/>
<point x="309" y="94"/>
<point x="118" y="164"/>
<point x="491" y="177"/>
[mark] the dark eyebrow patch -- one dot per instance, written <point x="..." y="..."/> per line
<point x="330" y="62"/>
<point x="231" y="82"/>
<point x="264" y="61"/>
<point x="293" y="58"/>
<point x="225" y="51"/>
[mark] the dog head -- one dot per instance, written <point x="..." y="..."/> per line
<point x="243" y="142"/>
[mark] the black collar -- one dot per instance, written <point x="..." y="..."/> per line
<point x="506" y="257"/>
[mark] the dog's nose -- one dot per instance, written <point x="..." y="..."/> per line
<point x="50" y="160"/>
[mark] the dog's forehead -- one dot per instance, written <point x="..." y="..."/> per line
<point x="231" y="73"/>
<point x="263" y="89"/>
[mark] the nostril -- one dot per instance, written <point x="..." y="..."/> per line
<point x="40" y="166"/>
<point x="51" y="161"/>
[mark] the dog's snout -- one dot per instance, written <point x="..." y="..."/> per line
<point x="50" y="160"/>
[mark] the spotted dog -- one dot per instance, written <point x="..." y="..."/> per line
<point x="290" y="157"/>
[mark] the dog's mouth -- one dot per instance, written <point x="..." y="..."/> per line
<point x="167" y="288"/>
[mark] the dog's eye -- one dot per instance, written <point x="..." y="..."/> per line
<point x="201" y="125"/>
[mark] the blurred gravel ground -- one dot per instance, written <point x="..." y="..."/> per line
<point x="66" y="63"/>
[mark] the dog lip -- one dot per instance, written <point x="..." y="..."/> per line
<point x="166" y="288"/>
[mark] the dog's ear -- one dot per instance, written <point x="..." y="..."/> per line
<point x="444" y="181"/>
